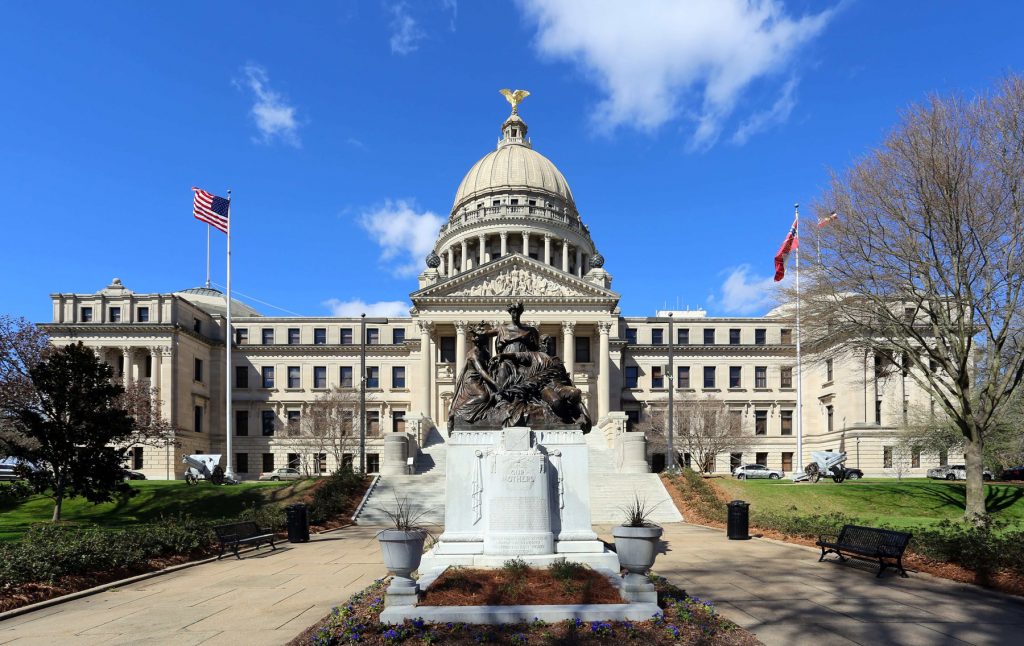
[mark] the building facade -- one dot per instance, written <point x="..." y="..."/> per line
<point x="514" y="234"/>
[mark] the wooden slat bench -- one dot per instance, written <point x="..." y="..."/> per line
<point x="868" y="543"/>
<point x="232" y="535"/>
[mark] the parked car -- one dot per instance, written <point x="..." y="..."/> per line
<point x="1013" y="473"/>
<point x="286" y="473"/>
<point x="954" y="472"/>
<point x="854" y="474"/>
<point x="7" y="473"/>
<point x="757" y="471"/>
<point x="133" y="475"/>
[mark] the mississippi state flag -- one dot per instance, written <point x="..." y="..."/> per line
<point x="211" y="209"/>
<point x="791" y="242"/>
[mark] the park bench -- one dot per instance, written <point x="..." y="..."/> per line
<point x="867" y="543"/>
<point x="232" y="535"/>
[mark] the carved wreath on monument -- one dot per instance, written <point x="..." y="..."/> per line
<point x="521" y="385"/>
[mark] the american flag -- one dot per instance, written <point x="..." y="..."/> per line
<point x="211" y="209"/>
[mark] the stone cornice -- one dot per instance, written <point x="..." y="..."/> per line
<point x="327" y="349"/>
<point x="710" y="350"/>
<point x="128" y="329"/>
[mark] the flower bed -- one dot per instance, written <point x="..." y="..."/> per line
<point x="563" y="583"/>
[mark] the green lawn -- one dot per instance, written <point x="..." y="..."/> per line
<point x="154" y="498"/>
<point x="876" y="500"/>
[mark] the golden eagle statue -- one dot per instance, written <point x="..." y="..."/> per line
<point x="515" y="97"/>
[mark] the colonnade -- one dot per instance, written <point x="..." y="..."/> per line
<point x="458" y="257"/>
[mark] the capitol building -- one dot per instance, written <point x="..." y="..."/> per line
<point x="514" y="234"/>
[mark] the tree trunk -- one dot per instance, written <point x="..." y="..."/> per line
<point x="57" y="501"/>
<point x="973" y="450"/>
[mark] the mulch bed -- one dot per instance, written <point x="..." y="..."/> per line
<point x="687" y="620"/>
<point x="471" y="587"/>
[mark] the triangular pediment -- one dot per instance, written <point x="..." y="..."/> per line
<point x="514" y="276"/>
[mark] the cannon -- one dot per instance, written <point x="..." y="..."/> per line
<point x="204" y="467"/>
<point x="827" y="464"/>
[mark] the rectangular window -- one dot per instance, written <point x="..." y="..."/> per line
<point x="320" y="463"/>
<point x="372" y="462"/>
<point x="631" y="335"/>
<point x="830" y="415"/>
<point x="319" y="336"/>
<point x="786" y="336"/>
<point x="787" y="422"/>
<point x="319" y="376"/>
<point x="398" y="376"/>
<point x="828" y="370"/>
<point x="632" y="376"/>
<point x="294" y="377"/>
<point x="267" y="376"/>
<point x="242" y="422"/>
<point x="915" y="458"/>
<point x="241" y="463"/>
<point x="658" y="337"/>
<point x="294" y="461"/>
<point x="683" y="336"/>
<point x="86" y="315"/>
<point x="886" y="457"/>
<point x="398" y="421"/>
<point x="294" y="421"/>
<point x="115" y="315"/>
<point x="268" y="336"/>
<point x="268" y="462"/>
<point x="372" y="336"/>
<point x="709" y="336"/>
<point x="760" y="376"/>
<point x="241" y="336"/>
<point x="448" y="350"/>
<point x="657" y="377"/>
<point x="372" y="377"/>
<point x="149" y="366"/>
<point x="142" y="315"/>
<point x="267" y="423"/>
<point x="345" y="377"/>
<point x="760" y="422"/>
<point x="787" y="461"/>
<point x="735" y="461"/>
<point x="373" y="422"/>
<point x="786" y="378"/>
<point x="760" y="336"/>
<point x="398" y="336"/>
<point x="197" y="369"/>
<point x="197" y="419"/>
<point x="632" y="419"/>
<point x="346" y="461"/>
<point x="943" y="458"/>
<point x="908" y="314"/>
<point x="761" y="458"/>
<point x="293" y="336"/>
<point x="137" y="459"/>
<point x="582" y="349"/>
<point x="241" y="376"/>
<point x="734" y="336"/>
<point x="734" y="377"/>
<point x="197" y="326"/>
<point x="709" y="376"/>
<point x="683" y="376"/>
<point x="878" y="412"/>
<point x="346" y="336"/>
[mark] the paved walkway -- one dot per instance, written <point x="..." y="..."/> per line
<point x="779" y="592"/>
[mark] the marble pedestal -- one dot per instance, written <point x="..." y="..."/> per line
<point x="517" y="493"/>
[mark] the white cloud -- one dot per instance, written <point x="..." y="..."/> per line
<point x="747" y="293"/>
<point x="773" y="116"/>
<point x="452" y="7"/>
<point x="357" y="306"/>
<point x="657" y="60"/>
<point x="405" y="32"/>
<point x="274" y="117"/>
<point x="405" y="235"/>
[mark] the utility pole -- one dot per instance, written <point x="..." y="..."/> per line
<point x="362" y="393"/>
<point x="671" y="387"/>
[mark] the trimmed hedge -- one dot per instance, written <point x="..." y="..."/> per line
<point x="331" y="498"/>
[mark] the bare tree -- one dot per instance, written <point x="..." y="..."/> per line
<point x="151" y="428"/>
<point x="331" y="426"/>
<point x="703" y="427"/>
<point x="901" y="459"/>
<point x="926" y="259"/>
<point x="22" y="347"/>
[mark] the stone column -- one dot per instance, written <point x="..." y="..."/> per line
<point x="604" y="370"/>
<point x="579" y="262"/>
<point x="450" y="269"/>
<point x="127" y="375"/>
<point x="526" y="243"/>
<point x="569" y="345"/>
<point x="565" y="255"/>
<point x="426" y="327"/>
<point x="466" y="263"/>
<point x="547" y="248"/>
<point x="504" y="243"/>
<point x="460" y="346"/>
<point x="154" y="379"/>
<point x="482" y="243"/>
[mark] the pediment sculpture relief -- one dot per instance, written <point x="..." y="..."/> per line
<point x="515" y="281"/>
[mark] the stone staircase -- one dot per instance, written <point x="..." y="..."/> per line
<point x="609" y="490"/>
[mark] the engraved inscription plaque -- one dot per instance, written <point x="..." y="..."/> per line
<point x="517" y="494"/>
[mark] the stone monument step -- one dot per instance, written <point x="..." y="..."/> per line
<point x="611" y="492"/>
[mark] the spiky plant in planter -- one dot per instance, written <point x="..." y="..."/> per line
<point x="402" y="548"/>
<point x="636" y="543"/>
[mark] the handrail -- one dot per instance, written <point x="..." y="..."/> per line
<point x="366" y="496"/>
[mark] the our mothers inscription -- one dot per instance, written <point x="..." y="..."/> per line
<point x="517" y="490"/>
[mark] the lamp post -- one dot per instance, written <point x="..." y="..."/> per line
<point x="671" y="387"/>
<point x="362" y="387"/>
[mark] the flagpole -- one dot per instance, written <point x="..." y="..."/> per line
<point x="229" y="472"/>
<point x="799" y="365"/>
<point x="207" y="256"/>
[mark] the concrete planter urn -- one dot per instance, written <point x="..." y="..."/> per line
<point x="402" y="550"/>
<point x="637" y="548"/>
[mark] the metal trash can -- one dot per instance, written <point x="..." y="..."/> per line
<point x="738" y="526"/>
<point x="298" y="523"/>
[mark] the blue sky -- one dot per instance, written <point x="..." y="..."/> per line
<point x="686" y="130"/>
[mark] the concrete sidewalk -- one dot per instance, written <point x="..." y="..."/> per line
<point x="784" y="596"/>
<point x="265" y="598"/>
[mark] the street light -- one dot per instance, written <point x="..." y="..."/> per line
<point x="671" y="387"/>
<point x="362" y="387"/>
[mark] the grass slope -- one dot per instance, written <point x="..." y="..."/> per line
<point x="901" y="504"/>
<point x="154" y="498"/>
